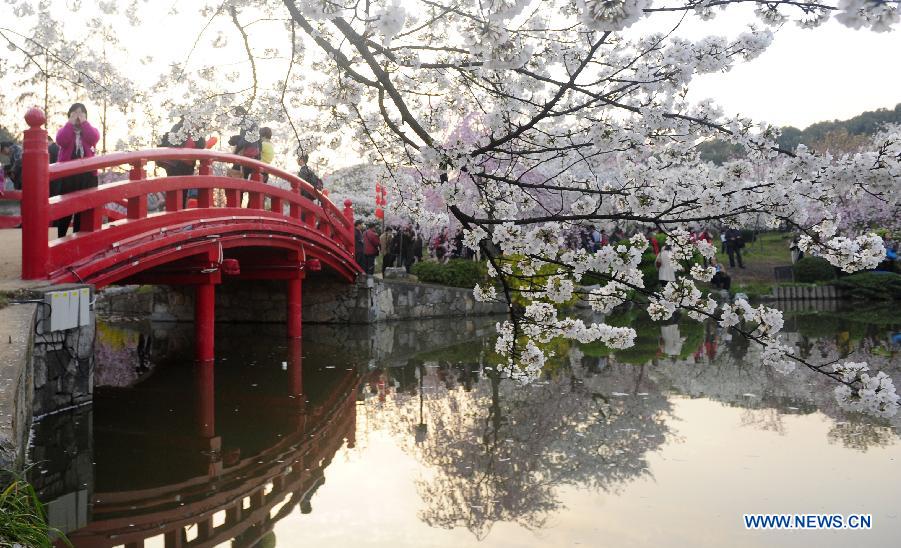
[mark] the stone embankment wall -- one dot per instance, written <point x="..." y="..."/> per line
<point x="40" y="372"/>
<point x="324" y="301"/>
<point x="16" y="382"/>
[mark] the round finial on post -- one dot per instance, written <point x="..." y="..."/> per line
<point x="35" y="118"/>
<point x="348" y="210"/>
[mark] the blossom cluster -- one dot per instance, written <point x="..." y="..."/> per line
<point x="542" y="325"/>
<point x="763" y="323"/>
<point x="862" y="392"/>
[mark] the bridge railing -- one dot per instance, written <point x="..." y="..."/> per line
<point x="13" y="221"/>
<point x="40" y="258"/>
<point x="293" y="466"/>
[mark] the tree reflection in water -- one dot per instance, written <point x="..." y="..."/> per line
<point x="499" y="451"/>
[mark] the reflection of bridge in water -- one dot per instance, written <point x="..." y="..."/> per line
<point x="172" y="454"/>
<point x="212" y="492"/>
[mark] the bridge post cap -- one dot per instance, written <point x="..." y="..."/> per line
<point x="35" y="118"/>
<point x="348" y="202"/>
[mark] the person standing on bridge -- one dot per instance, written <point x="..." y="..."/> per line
<point x="178" y="137"/>
<point x="14" y="152"/>
<point x="76" y="140"/>
<point x="267" y="151"/>
<point x="307" y="174"/>
<point x="358" y="243"/>
<point x="246" y="143"/>
<point x="370" y="249"/>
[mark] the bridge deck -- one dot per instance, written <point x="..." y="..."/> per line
<point x="11" y="261"/>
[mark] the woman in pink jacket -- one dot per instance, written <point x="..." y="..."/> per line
<point x="76" y="140"/>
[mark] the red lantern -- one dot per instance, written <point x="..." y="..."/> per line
<point x="379" y="214"/>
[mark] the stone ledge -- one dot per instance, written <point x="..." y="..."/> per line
<point x="16" y="382"/>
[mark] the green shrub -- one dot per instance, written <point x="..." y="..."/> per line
<point x="813" y="269"/>
<point x="872" y="285"/>
<point x="648" y="268"/>
<point x="455" y="273"/>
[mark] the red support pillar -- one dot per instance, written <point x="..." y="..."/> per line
<point x="295" y="368"/>
<point x="35" y="198"/>
<point x="204" y="322"/>
<point x="295" y="307"/>
<point x="204" y="378"/>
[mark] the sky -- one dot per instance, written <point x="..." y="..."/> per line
<point x="805" y="76"/>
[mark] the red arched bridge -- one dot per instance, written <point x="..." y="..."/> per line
<point x="278" y="235"/>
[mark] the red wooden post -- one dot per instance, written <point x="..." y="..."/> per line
<point x="295" y="306"/>
<point x="204" y="322"/>
<point x="275" y="205"/>
<point x="205" y="195"/>
<point x="205" y="528"/>
<point x="233" y="512"/>
<point x="258" y="498"/>
<point x="349" y="215"/>
<point x="173" y="539"/>
<point x="91" y="219"/>
<point x="137" y="205"/>
<point x="295" y="208"/>
<point x="232" y="198"/>
<point x="35" y="197"/>
<point x="295" y="368"/>
<point x="173" y="201"/>
<point x="255" y="199"/>
<point x="204" y="378"/>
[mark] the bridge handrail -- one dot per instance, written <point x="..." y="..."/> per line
<point x="38" y="208"/>
<point x="117" y="191"/>
<point x="131" y="158"/>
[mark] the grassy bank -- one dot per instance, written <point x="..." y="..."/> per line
<point x="23" y="520"/>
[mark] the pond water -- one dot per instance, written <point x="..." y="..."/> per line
<point x="400" y="435"/>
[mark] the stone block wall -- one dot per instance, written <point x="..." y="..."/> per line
<point x="40" y="372"/>
<point x="63" y="366"/>
<point x="325" y="300"/>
